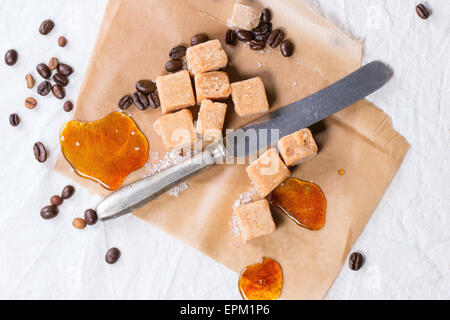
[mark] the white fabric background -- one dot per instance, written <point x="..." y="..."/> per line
<point x="407" y="242"/>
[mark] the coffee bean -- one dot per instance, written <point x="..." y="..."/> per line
<point x="422" y="11"/>
<point x="11" y="57"/>
<point x="257" y="45"/>
<point x="62" y="42"/>
<point x="266" y="15"/>
<point x="262" y="37"/>
<point x="125" y="102"/>
<point x="44" y="70"/>
<point x="79" y="223"/>
<point x="231" y="37"/>
<point x="53" y="63"/>
<point x="56" y="201"/>
<point x="146" y="86"/>
<point x="91" y="217"/>
<point x="275" y="38"/>
<point x="141" y="101"/>
<point x="68" y="106"/>
<point x="112" y="256"/>
<point x="46" y="27"/>
<point x="40" y="153"/>
<point x="154" y="101"/>
<point x="67" y="192"/>
<point x="199" y="38"/>
<point x="174" y="66"/>
<point x="30" y="81"/>
<point x="44" y="88"/>
<point x="245" y="36"/>
<point x="14" y="120"/>
<point x="178" y="53"/>
<point x="356" y="261"/>
<point x="65" y="69"/>
<point x="61" y="79"/>
<point x="30" y="103"/>
<point x="49" y="212"/>
<point x="287" y="48"/>
<point x="58" y="92"/>
<point x="263" y="28"/>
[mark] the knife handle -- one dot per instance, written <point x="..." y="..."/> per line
<point x="134" y="196"/>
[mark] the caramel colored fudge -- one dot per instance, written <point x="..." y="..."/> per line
<point x="208" y="56"/>
<point x="255" y="220"/>
<point x="268" y="172"/>
<point x="245" y="17"/>
<point x="249" y="97"/>
<point x="211" y="119"/>
<point x="176" y="129"/>
<point x="175" y="92"/>
<point x="212" y="85"/>
<point x="298" y="147"/>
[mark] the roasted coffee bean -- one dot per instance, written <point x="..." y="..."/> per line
<point x="245" y="36"/>
<point x="178" y="53"/>
<point x="56" y="201"/>
<point x="62" y="42"/>
<point x="356" y="261"/>
<point x="44" y="70"/>
<point x="422" y="11"/>
<point x="174" y="66"/>
<point x="287" y="48"/>
<point x="61" y="79"/>
<point x="199" y="38"/>
<point x="262" y="37"/>
<point x="58" y="92"/>
<point x="68" y="106"/>
<point x="44" y="88"/>
<point x="112" y="256"/>
<point x="65" y="69"/>
<point x="266" y="15"/>
<point x="53" y="63"/>
<point x="275" y="38"/>
<point x="79" y="223"/>
<point x="141" y="101"/>
<point x="125" y="102"/>
<point x="257" y="45"/>
<point x="11" y="57"/>
<point x="49" y="212"/>
<point x="30" y="103"/>
<point x="263" y="28"/>
<point x="46" y="27"/>
<point x="154" y="101"/>
<point x="67" y="192"/>
<point x="91" y="217"/>
<point x="30" y="81"/>
<point x="14" y="120"/>
<point x="231" y="37"/>
<point x="40" y="153"/>
<point x="146" y="86"/>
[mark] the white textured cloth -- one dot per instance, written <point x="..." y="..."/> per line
<point x="407" y="242"/>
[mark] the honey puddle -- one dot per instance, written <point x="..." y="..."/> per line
<point x="262" y="281"/>
<point x="105" y="151"/>
<point x="303" y="202"/>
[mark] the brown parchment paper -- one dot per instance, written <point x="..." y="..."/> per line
<point x="133" y="44"/>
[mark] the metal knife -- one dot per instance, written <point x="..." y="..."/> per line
<point x="285" y="121"/>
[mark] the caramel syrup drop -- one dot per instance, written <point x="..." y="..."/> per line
<point x="341" y="172"/>
<point x="262" y="281"/>
<point x="303" y="202"/>
<point x="105" y="151"/>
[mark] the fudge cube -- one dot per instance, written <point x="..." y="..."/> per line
<point x="249" y="97"/>
<point x="212" y="85"/>
<point x="175" y="92"/>
<point x="176" y="129"/>
<point x="268" y="172"/>
<point x="255" y="220"/>
<point x="245" y="17"/>
<point x="298" y="147"/>
<point x="208" y="56"/>
<point x="211" y="119"/>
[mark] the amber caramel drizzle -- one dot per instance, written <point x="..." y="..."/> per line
<point x="262" y="281"/>
<point x="105" y="151"/>
<point x="303" y="202"/>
